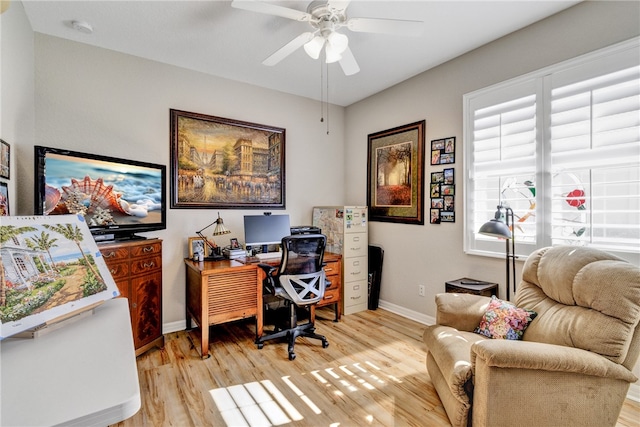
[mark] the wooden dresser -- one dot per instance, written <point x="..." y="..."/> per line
<point x="136" y="267"/>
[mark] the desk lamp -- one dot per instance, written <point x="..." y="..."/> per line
<point x="497" y="227"/>
<point x="218" y="231"/>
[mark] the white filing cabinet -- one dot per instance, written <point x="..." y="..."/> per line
<point x="347" y="231"/>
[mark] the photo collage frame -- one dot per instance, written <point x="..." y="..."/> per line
<point x="443" y="151"/>
<point x="442" y="188"/>
<point x="442" y="191"/>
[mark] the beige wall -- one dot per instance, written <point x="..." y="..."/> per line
<point x="99" y="101"/>
<point x="17" y="109"/>
<point x="432" y="254"/>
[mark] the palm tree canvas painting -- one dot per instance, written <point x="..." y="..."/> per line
<point x="50" y="267"/>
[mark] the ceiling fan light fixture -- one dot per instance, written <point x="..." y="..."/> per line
<point x="332" y="54"/>
<point x="314" y="47"/>
<point x="338" y="42"/>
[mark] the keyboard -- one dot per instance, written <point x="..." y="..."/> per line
<point x="269" y="255"/>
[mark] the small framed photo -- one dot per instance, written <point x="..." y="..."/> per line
<point x="197" y="246"/>
<point x="447" y="216"/>
<point x="448" y="203"/>
<point x="434" y="218"/>
<point x="4" y="199"/>
<point x="437" y="203"/>
<point x="234" y="243"/>
<point x="5" y="156"/>
<point x="443" y="151"/>
<point x="447" y="190"/>
<point x="437" y="176"/>
<point x="435" y="190"/>
<point x="448" y="176"/>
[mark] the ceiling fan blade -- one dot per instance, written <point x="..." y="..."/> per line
<point x="348" y="63"/>
<point x="338" y="6"/>
<point x="386" y="26"/>
<point x="270" y="9"/>
<point x="288" y="48"/>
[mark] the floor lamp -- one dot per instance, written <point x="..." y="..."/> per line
<point x="498" y="227"/>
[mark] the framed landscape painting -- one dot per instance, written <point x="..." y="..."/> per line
<point x="395" y="170"/>
<point x="51" y="269"/>
<point x="222" y="163"/>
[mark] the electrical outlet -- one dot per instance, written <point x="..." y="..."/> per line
<point x="421" y="290"/>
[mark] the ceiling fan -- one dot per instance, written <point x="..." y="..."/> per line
<point x="326" y="18"/>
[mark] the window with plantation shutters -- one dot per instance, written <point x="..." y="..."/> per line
<point x="561" y="148"/>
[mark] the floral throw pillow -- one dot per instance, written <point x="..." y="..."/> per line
<point x="503" y="320"/>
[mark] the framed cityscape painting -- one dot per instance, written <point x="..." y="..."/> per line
<point x="222" y="163"/>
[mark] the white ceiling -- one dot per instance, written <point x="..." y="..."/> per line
<point x="214" y="38"/>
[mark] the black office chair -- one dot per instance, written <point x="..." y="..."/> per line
<point x="298" y="282"/>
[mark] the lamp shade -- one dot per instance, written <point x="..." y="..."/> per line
<point x="338" y="42"/>
<point x="220" y="227"/>
<point x="495" y="228"/>
<point x="314" y="47"/>
<point x="332" y="54"/>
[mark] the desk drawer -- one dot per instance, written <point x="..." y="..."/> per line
<point x="332" y="268"/>
<point x="330" y="297"/>
<point x="334" y="283"/>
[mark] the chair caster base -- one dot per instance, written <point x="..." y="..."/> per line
<point x="325" y="344"/>
<point x="292" y="356"/>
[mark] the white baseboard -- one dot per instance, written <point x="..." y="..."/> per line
<point x="168" y="328"/>
<point x="409" y="314"/>
<point x="181" y="325"/>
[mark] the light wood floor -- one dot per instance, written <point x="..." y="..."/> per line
<point x="372" y="373"/>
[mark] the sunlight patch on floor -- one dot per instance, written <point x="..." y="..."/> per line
<point x="263" y="404"/>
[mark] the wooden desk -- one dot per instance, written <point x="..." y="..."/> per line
<point x="228" y="290"/>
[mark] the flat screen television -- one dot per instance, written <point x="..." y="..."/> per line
<point x="117" y="197"/>
<point x="264" y="230"/>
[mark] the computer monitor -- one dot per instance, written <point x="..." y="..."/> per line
<point x="265" y="230"/>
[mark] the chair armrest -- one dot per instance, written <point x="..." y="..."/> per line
<point x="460" y="311"/>
<point x="268" y="269"/>
<point x="546" y="357"/>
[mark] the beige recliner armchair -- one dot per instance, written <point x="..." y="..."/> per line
<point x="573" y="364"/>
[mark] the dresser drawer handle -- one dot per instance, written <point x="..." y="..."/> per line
<point x="149" y="265"/>
<point x="355" y="273"/>
<point x="109" y="255"/>
<point x="327" y="270"/>
<point x="358" y="297"/>
<point x="328" y="297"/>
<point x="113" y="271"/>
<point x="356" y="249"/>
<point x="148" y="249"/>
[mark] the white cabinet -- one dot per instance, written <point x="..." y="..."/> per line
<point x="347" y="231"/>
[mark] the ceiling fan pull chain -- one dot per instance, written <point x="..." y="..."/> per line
<point x="327" y="103"/>
<point x="321" y="92"/>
